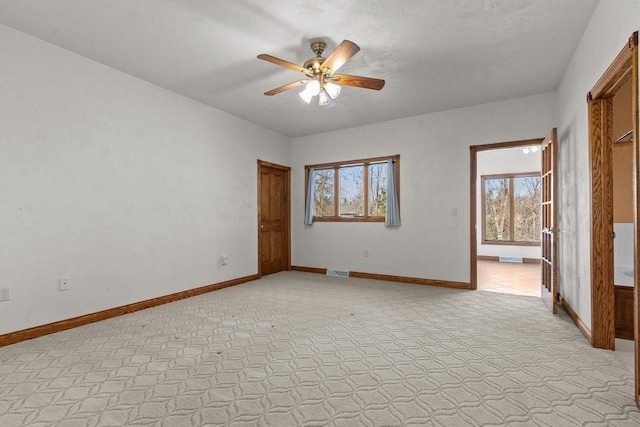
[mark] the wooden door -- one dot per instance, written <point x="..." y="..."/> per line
<point x="273" y="218"/>
<point x="549" y="288"/>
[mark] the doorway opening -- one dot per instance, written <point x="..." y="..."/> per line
<point x="622" y="164"/>
<point x="505" y="183"/>
<point x="508" y="219"/>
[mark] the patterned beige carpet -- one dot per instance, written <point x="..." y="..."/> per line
<point x="297" y="349"/>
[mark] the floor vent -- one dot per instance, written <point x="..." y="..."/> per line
<point x="510" y="259"/>
<point x="337" y="273"/>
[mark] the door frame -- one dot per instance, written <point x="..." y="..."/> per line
<point x="473" y="185"/>
<point x="600" y="117"/>
<point x="287" y="171"/>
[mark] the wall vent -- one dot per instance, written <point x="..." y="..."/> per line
<point x="337" y="273"/>
<point x="516" y="259"/>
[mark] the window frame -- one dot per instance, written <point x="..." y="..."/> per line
<point x="483" y="201"/>
<point x="336" y="193"/>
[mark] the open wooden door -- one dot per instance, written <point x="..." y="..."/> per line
<point x="274" y="243"/>
<point x="549" y="288"/>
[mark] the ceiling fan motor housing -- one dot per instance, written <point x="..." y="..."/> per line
<point x="318" y="47"/>
<point x="313" y="64"/>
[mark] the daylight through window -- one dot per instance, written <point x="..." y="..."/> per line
<point x="352" y="190"/>
<point x="511" y="209"/>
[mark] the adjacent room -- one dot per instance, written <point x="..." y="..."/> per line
<point x="303" y="213"/>
<point x="508" y="218"/>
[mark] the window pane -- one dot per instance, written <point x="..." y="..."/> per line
<point x="497" y="209"/>
<point x="352" y="191"/>
<point x="378" y="189"/>
<point x="323" y="191"/>
<point x="526" y="207"/>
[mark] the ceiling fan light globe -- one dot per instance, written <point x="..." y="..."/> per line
<point x="313" y="87"/>
<point x="534" y="148"/>
<point x="332" y="89"/>
<point x="323" y="98"/>
<point x="525" y="150"/>
<point x="306" y="95"/>
<point x="330" y="104"/>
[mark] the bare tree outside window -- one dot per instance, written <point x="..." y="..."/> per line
<point x="352" y="191"/>
<point x="497" y="213"/>
<point x="378" y="189"/>
<point x="323" y="192"/>
<point x="511" y="208"/>
<point x="526" y="205"/>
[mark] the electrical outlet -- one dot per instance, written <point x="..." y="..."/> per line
<point x="4" y="294"/>
<point x="366" y="254"/>
<point x="64" y="283"/>
<point x="224" y="259"/>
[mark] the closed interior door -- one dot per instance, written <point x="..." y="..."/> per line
<point x="273" y="216"/>
<point x="549" y="288"/>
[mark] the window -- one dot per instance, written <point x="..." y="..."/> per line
<point x="354" y="190"/>
<point x="511" y="209"/>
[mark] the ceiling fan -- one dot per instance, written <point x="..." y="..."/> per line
<point x="321" y="78"/>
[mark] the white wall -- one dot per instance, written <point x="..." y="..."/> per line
<point x="130" y="190"/>
<point x="611" y="25"/>
<point x="493" y="162"/>
<point x="433" y="241"/>
<point x="623" y="245"/>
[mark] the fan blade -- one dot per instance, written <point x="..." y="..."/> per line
<point x="338" y="57"/>
<point x="363" y="82"/>
<point x="282" y="63"/>
<point x="286" y="87"/>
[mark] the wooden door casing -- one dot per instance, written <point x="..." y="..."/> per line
<point x="273" y="218"/>
<point x="601" y="159"/>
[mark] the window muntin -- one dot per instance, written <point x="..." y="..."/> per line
<point x="511" y="209"/>
<point x="353" y="190"/>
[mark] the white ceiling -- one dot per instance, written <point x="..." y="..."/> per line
<point x="435" y="55"/>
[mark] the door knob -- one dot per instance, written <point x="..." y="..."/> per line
<point x="261" y="226"/>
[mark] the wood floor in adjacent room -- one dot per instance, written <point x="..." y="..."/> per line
<point x="509" y="277"/>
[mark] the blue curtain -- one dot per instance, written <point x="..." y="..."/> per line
<point x="308" y="211"/>
<point x="392" y="218"/>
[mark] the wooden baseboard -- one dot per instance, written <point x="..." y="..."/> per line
<point x="390" y="278"/>
<point x="576" y="319"/>
<point x="50" y="328"/>
<point x="495" y="258"/>
<point x="309" y="269"/>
